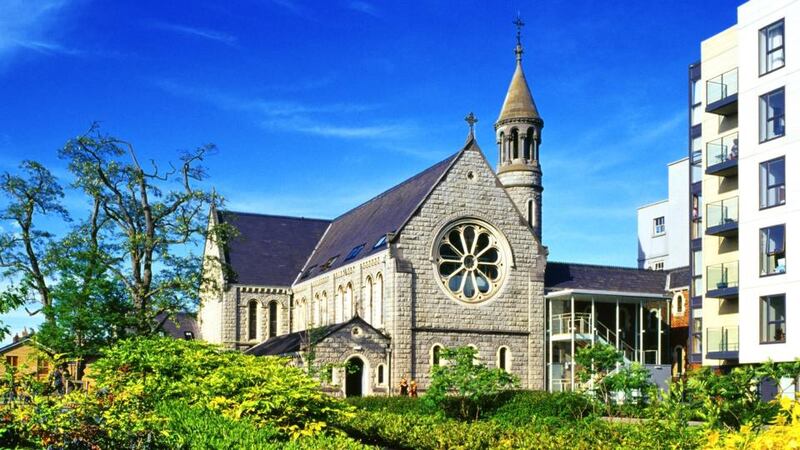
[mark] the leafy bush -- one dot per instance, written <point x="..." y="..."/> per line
<point x="267" y="390"/>
<point x="518" y="408"/>
<point x="783" y="433"/>
<point x="397" y="405"/>
<point x="198" y="428"/>
<point x="463" y="387"/>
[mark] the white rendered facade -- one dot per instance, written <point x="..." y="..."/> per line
<point x="754" y="16"/>
<point x="664" y="245"/>
<point x="751" y="212"/>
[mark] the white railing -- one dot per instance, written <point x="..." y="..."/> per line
<point x="581" y="323"/>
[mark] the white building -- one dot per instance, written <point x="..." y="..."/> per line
<point x="745" y="303"/>
<point x="662" y="230"/>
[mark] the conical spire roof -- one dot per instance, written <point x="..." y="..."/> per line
<point x="519" y="102"/>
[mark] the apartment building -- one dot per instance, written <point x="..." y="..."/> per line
<point x="663" y="236"/>
<point x="745" y="214"/>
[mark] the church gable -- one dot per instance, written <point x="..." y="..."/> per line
<point x="470" y="194"/>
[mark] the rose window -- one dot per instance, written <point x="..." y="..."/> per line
<point x="470" y="261"/>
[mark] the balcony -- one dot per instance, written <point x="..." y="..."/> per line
<point x="723" y="218"/>
<point x="723" y="156"/>
<point x="722" y="280"/>
<point x="722" y="93"/>
<point x="722" y="343"/>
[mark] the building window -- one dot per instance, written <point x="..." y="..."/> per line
<point x="697" y="331"/>
<point x="659" y="226"/>
<point x="42" y="367"/>
<point x="678" y="358"/>
<point x="697" y="110"/>
<point x="679" y="307"/>
<point x="530" y="212"/>
<point x="273" y="318"/>
<point x="773" y="183"/>
<point x="771" y="51"/>
<point x="377" y="299"/>
<point x="773" y="319"/>
<point x="658" y="265"/>
<point x="772" y="115"/>
<point x="12" y="361"/>
<point x="348" y="302"/>
<point x="470" y="261"/>
<point x="381" y="374"/>
<point x="773" y="250"/>
<point x="435" y="351"/>
<point x="504" y="359"/>
<point x="697" y="273"/>
<point x="252" y="320"/>
<point x="188" y="335"/>
<point x="355" y="251"/>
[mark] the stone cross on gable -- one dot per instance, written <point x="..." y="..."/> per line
<point x="471" y="121"/>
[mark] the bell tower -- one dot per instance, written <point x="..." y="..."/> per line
<point x="519" y="134"/>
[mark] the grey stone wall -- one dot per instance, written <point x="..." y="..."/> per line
<point x="515" y="314"/>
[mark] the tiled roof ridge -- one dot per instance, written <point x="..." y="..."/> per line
<point x="604" y="266"/>
<point x="276" y="216"/>
<point x="399" y="185"/>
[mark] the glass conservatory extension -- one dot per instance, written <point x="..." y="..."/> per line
<point x="637" y="324"/>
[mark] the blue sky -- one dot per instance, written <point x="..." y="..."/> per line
<point x="317" y="106"/>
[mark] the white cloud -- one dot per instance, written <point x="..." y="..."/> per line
<point x="203" y="33"/>
<point x="281" y="115"/>
<point x="28" y="25"/>
<point x="364" y="7"/>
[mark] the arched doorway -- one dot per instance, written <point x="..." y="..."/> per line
<point x="354" y="379"/>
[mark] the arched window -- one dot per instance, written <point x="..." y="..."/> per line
<point x="381" y="375"/>
<point x="528" y="147"/>
<point x="679" y="304"/>
<point x="515" y="144"/>
<point x="338" y="307"/>
<point x="504" y="359"/>
<point x="316" y="307"/>
<point x="252" y="320"/>
<point x="324" y="308"/>
<point x="501" y="142"/>
<point x="368" y="304"/>
<point x="348" y="302"/>
<point x="377" y="314"/>
<point x="273" y="318"/>
<point x="435" y="357"/>
<point x="530" y="212"/>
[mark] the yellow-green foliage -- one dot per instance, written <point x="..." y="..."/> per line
<point x="783" y="433"/>
<point x="265" y="390"/>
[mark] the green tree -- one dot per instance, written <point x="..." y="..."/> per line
<point x="33" y="192"/>
<point x="472" y="386"/>
<point x="153" y="219"/>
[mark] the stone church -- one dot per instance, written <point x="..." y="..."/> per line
<point x="452" y="256"/>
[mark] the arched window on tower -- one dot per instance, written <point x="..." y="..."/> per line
<point x="435" y="358"/>
<point x="501" y="143"/>
<point x="324" y="309"/>
<point x="530" y="212"/>
<point x="514" y="144"/>
<point x="252" y="320"/>
<point x="529" y="145"/>
<point x="273" y="319"/>
<point x="504" y="359"/>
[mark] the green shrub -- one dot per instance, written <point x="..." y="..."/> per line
<point x="266" y="390"/>
<point x="518" y="408"/>
<point x="198" y="428"/>
<point x="463" y="388"/>
<point x="398" y="405"/>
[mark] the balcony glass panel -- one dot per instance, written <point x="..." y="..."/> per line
<point x="722" y="86"/>
<point x="721" y="276"/>
<point x="722" y="212"/>
<point x="722" y="339"/>
<point x="723" y="149"/>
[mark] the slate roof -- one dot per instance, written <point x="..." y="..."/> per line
<point x="293" y="342"/>
<point x="680" y="277"/>
<point x="178" y="326"/>
<point x="270" y="250"/>
<point x="561" y="276"/>
<point x="368" y="223"/>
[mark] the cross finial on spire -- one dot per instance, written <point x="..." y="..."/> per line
<point x="519" y="24"/>
<point x="471" y="121"/>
